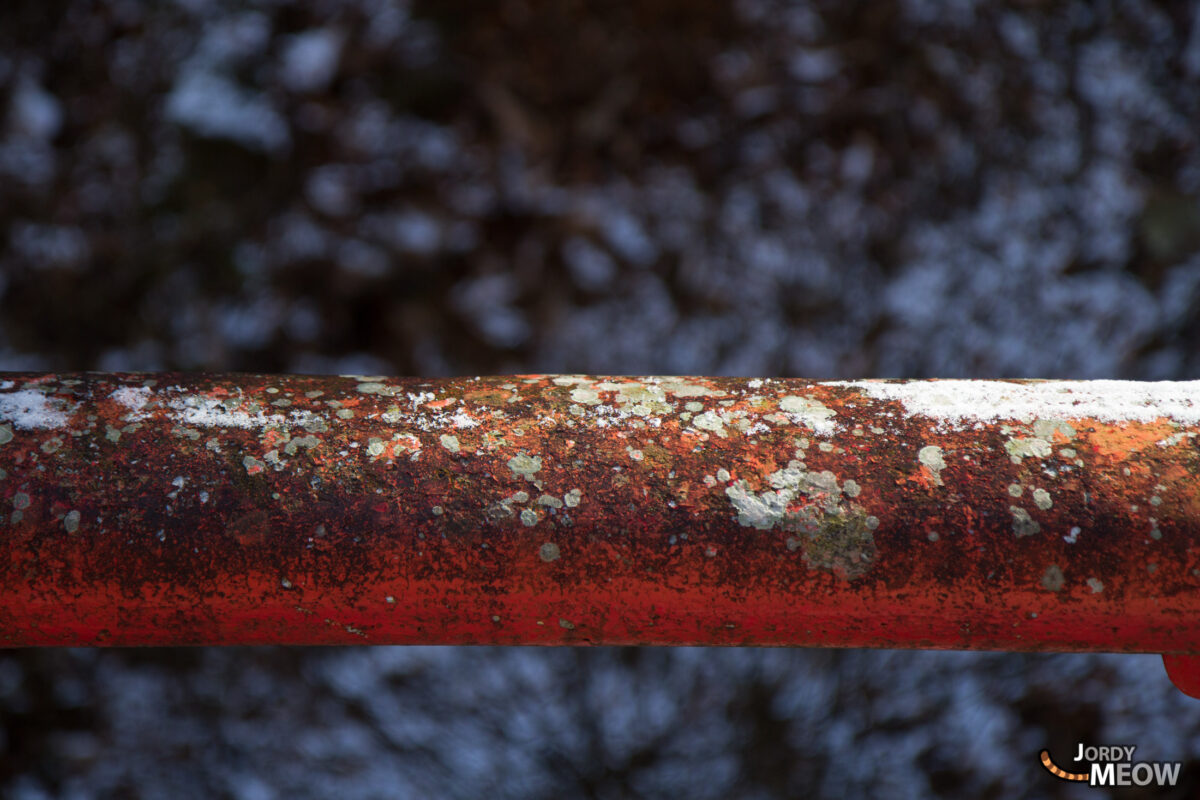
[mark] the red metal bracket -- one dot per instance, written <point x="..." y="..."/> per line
<point x="1013" y="515"/>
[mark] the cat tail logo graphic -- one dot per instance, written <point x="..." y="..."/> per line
<point x="1114" y="766"/>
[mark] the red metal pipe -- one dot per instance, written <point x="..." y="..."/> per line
<point x="188" y="509"/>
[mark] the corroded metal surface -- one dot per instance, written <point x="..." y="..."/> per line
<point x="171" y="508"/>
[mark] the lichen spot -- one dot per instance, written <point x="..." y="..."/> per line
<point x="20" y="501"/>
<point x="375" y="446"/>
<point x="1053" y="579"/>
<point x="710" y="421"/>
<point x="549" y="552"/>
<point x="571" y="499"/>
<point x="1023" y="524"/>
<point x="930" y="457"/>
<point x="6" y="434"/>
<point x="253" y="465"/>
<point x="811" y="413"/>
<point x="587" y="397"/>
<point x="1096" y="585"/>
<point x="1019" y="448"/>
<point x="450" y="442"/>
<point x="723" y="475"/>
<point x="1016" y="489"/>
<point x="525" y="465"/>
<point x="1041" y="498"/>
<point x="851" y="488"/>
<point x="71" y="521"/>
<point x="529" y="517"/>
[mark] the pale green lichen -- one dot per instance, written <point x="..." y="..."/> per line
<point x="529" y="517"/>
<point x="525" y="465"/>
<point x="1023" y="524"/>
<point x="1041" y="499"/>
<point x="1096" y="585"/>
<point x="71" y="521"/>
<point x="572" y="498"/>
<point x="930" y="456"/>
<point x="449" y="442"/>
<point x="1046" y="428"/>
<point x="1019" y="448"/>
<point x="1053" y="579"/>
<point x="834" y="534"/>
<point x="6" y="434"/>
<point x="809" y="412"/>
<point x="710" y="421"/>
<point x="549" y="552"/>
<point x="374" y="446"/>
<point x="307" y="442"/>
<point x="587" y="397"/>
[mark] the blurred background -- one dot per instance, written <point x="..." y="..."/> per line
<point x="893" y="188"/>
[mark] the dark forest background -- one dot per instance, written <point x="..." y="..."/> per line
<point x="894" y="188"/>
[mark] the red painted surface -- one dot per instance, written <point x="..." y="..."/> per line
<point x="171" y="509"/>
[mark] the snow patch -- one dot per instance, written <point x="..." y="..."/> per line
<point x="29" y="409"/>
<point x="962" y="401"/>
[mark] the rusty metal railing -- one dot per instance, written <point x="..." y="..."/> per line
<point x="140" y="509"/>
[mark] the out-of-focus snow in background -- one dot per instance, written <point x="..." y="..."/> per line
<point x="894" y="188"/>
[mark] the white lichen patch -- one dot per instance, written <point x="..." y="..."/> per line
<point x="1016" y="489"/>
<point x="549" y="552"/>
<point x="1041" y="499"/>
<point x="710" y="421"/>
<point x="835" y="534"/>
<point x="634" y="453"/>
<point x="529" y="517"/>
<point x="375" y="446"/>
<point x="30" y="409"/>
<point x="811" y="413"/>
<point x="964" y="402"/>
<point x="571" y="499"/>
<point x="931" y="457"/>
<point x="1096" y="585"/>
<point x="585" y="396"/>
<point x="723" y="475"/>
<point x="450" y="442"/>
<point x="550" y="501"/>
<point x="307" y="442"/>
<point x="1021" y="448"/>
<point x="524" y="465"/>
<point x="71" y="521"/>
<point x="1023" y="524"/>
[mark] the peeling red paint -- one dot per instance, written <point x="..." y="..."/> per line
<point x="171" y="508"/>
